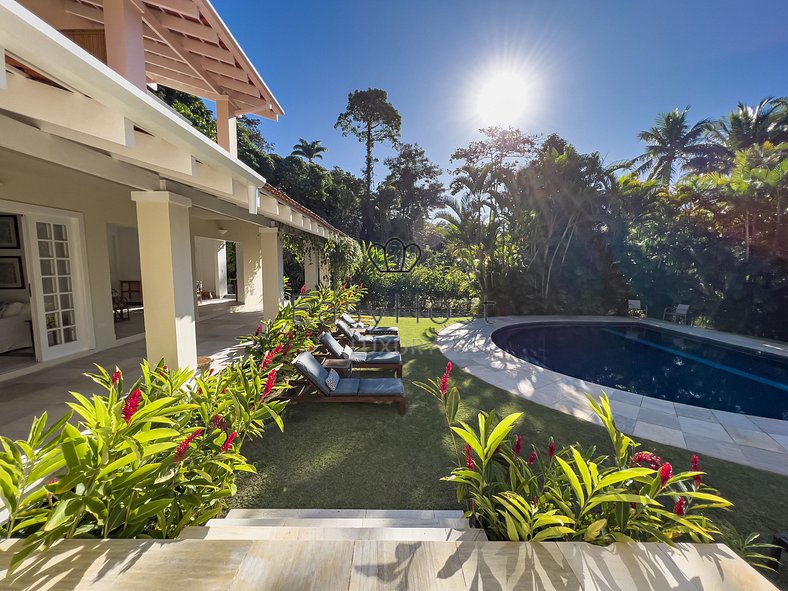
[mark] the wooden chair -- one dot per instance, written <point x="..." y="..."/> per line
<point x="348" y="390"/>
<point x="368" y="342"/>
<point x="391" y="360"/>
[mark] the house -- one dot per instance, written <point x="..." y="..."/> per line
<point x="105" y="189"/>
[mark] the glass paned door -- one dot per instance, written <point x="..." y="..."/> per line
<point x="55" y="287"/>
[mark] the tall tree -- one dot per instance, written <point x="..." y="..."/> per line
<point x="411" y="190"/>
<point x="748" y="126"/>
<point x="674" y="145"/>
<point x="372" y="119"/>
<point x="308" y="150"/>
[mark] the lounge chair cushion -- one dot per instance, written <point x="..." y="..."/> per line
<point x="332" y="380"/>
<point x="392" y="357"/>
<point x="331" y="345"/>
<point x="375" y="340"/>
<point x="381" y="387"/>
<point x="347" y="352"/>
<point x="313" y="371"/>
<point x="369" y="387"/>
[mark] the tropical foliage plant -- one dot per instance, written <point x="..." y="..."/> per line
<point x="573" y="493"/>
<point x="143" y="460"/>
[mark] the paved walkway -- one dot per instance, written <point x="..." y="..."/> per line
<point x="755" y="441"/>
<point x="23" y="398"/>
<point x="343" y="565"/>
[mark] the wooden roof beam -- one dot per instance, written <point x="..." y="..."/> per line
<point x="174" y="41"/>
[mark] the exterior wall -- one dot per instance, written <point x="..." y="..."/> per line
<point x="100" y="202"/>
<point x="124" y="254"/>
<point x="210" y="264"/>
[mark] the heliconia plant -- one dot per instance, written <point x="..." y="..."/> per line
<point x="573" y="493"/>
<point x="143" y="461"/>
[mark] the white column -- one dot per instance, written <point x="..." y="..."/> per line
<point x="325" y="273"/>
<point x="221" y="268"/>
<point x="123" y="36"/>
<point x="273" y="271"/>
<point x="167" y="283"/>
<point x="226" y="130"/>
<point x="311" y="269"/>
<point x="248" y="264"/>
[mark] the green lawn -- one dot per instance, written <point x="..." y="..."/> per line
<point x="367" y="456"/>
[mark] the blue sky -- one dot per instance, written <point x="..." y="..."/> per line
<point x="597" y="72"/>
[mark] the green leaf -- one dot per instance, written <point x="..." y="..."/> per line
<point x="552" y="533"/>
<point x="622" y="475"/>
<point x="593" y="530"/>
<point x="500" y="433"/>
<point x="470" y="438"/>
<point x="574" y="482"/>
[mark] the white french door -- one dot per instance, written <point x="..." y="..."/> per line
<point x="57" y="285"/>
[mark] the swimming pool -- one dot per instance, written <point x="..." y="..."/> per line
<point x="655" y="362"/>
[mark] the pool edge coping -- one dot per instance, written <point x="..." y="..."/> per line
<point x="760" y="442"/>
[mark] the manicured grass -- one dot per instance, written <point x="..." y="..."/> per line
<point x="367" y="456"/>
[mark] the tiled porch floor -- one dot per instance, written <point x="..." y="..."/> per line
<point x="23" y="398"/>
<point x="755" y="441"/>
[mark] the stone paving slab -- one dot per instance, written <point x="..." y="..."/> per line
<point x="235" y="565"/>
<point x="758" y="441"/>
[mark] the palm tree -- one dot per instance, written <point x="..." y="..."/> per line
<point x="308" y="150"/>
<point x="672" y="144"/>
<point x="750" y="126"/>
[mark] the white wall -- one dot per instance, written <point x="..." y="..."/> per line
<point x="100" y="202"/>
<point x="124" y="254"/>
<point x="210" y="265"/>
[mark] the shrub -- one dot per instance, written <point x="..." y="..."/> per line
<point x="573" y="493"/>
<point x="143" y="461"/>
<point x="297" y="327"/>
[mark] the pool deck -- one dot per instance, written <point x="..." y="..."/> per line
<point x="754" y="441"/>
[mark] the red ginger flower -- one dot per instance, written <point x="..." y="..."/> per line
<point x="697" y="479"/>
<point x="469" y="458"/>
<point x="131" y="405"/>
<point x="267" y="360"/>
<point x="518" y="445"/>
<point x="643" y="457"/>
<point x="218" y="422"/>
<point x="230" y="438"/>
<point x="678" y="508"/>
<point x="444" y="385"/>
<point x="116" y="377"/>
<point x="259" y="330"/>
<point x="303" y="289"/>
<point x="278" y="349"/>
<point x="665" y="472"/>
<point x="180" y="453"/>
<point x="551" y="449"/>
<point x="361" y="285"/>
<point x="532" y="458"/>
<point x="269" y="384"/>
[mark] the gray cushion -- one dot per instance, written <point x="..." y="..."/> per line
<point x="381" y="387"/>
<point x="346" y="330"/>
<point x="331" y="345"/>
<point x="378" y="340"/>
<point x="347" y="352"/>
<point x="346" y="387"/>
<point x="360" y="358"/>
<point x="312" y="370"/>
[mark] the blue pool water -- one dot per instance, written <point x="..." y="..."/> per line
<point x="657" y="363"/>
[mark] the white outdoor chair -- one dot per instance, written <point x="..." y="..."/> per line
<point x="677" y="314"/>
<point x="635" y="310"/>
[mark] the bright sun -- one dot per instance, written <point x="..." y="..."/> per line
<point x="502" y="99"/>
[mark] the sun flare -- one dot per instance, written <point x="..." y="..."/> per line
<point x="503" y="98"/>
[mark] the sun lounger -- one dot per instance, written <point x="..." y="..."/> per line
<point x="348" y="389"/>
<point x="369" y="330"/>
<point x="363" y="359"/>
<point x="678" y="314"/>
<point x="367" y="342"/>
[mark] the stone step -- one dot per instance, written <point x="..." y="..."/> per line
<point x="340" y="522"/>
<point x="402" y="534"/>
<point x="405" y="514"/>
